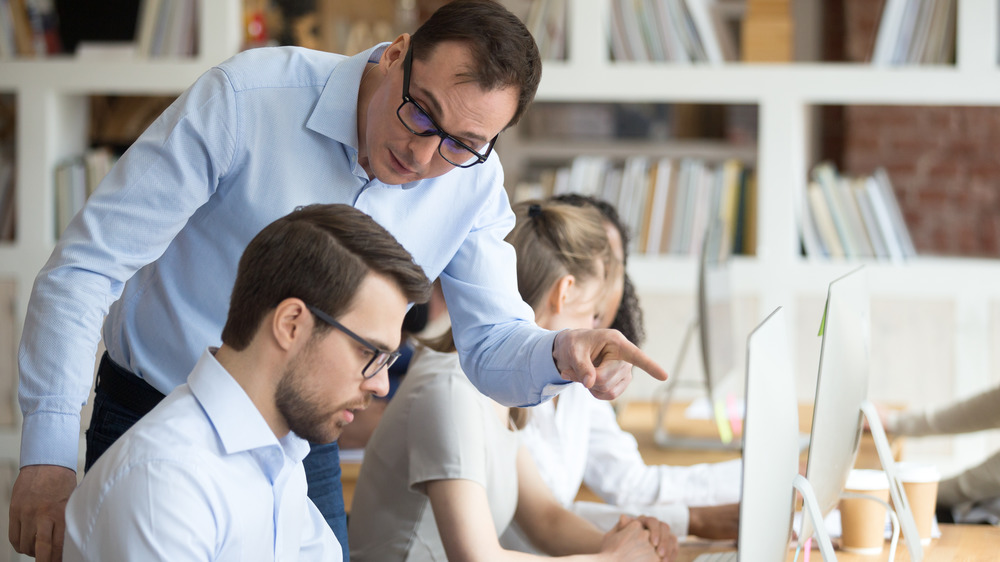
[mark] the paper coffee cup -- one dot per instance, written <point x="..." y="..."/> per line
<point x="862" y="521"/>
<point x="920" y="482"/>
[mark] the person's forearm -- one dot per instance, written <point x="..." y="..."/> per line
<point x="561" y="532"/>
<point x="976" y="413"/>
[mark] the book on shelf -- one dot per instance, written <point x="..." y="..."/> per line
<point x="28" y="28"/>
<point x="665" y="203"/>
<point x="660" y="183"/>
<point x="76" y="178"/>
<point x="915" y="32"/>
<point x="166" y="28"/>
<point x="768" y="31"/>
<point x="822" y="222"/>
<point x="546" y="20"/>
<point x="853" y="217"/>
<point x="670" y="31"/>
<point x="705" y="24"/>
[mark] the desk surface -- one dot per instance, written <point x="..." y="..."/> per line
<point x="968" y="543"/>
<point x="639" y="418"/>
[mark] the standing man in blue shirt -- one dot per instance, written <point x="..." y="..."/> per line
<point x="404" y="132"/>
<point x="214" y="471"/>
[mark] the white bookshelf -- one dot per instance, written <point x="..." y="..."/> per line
<point x="962" y="292"/>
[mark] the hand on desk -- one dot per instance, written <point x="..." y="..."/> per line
<point x="601" y="360"/>
<point x="642" y="539"/>
<point x="718" y="522"/>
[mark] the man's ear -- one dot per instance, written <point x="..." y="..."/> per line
<point x="559" y="293"/>
<point x="291" y="323"/>
<point x="395" y="52"/>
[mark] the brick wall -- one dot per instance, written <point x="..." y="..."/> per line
<point x="944" y="162"/>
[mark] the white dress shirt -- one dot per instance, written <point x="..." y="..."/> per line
<point x="201" y="477"/>
<point x="579" y="441"/>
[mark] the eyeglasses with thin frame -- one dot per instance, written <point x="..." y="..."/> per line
<point x="420" y="123"/>
<point x="380" y="358"/>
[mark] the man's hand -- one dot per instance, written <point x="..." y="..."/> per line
<point x="601" y="360"/>
<point x="38" y="510"/>
<point x="720" y="522"/>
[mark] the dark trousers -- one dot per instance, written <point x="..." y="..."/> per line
<point x="121" y="398"/>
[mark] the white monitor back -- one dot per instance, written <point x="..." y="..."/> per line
<point x="841" y="389"/>
<point x="715" y="312"/>
<point x="770" y="443"/>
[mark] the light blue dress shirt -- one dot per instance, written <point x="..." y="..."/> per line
<point x="201" y="477"/>
<point x="157" y="246"/>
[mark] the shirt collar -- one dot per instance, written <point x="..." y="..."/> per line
<point x="237" y="421"/>
<point x="336" y="111"/>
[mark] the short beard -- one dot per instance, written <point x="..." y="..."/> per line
<point x="305" y="416"/>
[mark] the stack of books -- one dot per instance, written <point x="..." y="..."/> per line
<point x="853" y="217"/>
<point x="915" y="32"/>
<point x="28" y="28"/>
<point x="167" y="28"/>
<point x="666" y="203"/>
<point x="671" y="30"/>
<point x="76" y="179"/>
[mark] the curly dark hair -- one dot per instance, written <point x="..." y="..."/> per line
<point x="628" y="320"/>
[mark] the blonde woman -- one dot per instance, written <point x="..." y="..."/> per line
<point x="444" y="474"/>
<point x="575" y="439"/>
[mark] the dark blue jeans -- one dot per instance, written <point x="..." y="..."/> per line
<point x="111" y="419"/>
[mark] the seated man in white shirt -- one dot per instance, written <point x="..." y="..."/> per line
<point x="214" y="472"/>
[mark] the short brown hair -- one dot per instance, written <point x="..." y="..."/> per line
<point x="320" y="254"/>
<point x="503" y="49"/>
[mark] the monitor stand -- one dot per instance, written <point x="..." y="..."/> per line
<point x="896" y="491"/>
<point x="660" y="435"/>
<point x="811" y="505"/>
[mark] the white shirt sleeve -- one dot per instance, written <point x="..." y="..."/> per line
<point x="617" y="473"/>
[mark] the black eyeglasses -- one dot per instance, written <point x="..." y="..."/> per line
<point x="380" y="358"/>
<point x="416" y="119"/>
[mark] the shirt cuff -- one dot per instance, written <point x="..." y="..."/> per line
<point x="543" y="369"/>
<point x="49" y="438"/>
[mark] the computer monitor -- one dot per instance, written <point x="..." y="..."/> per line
<point x="841" y="396"/>
<point x="770" y="449"/>
<point x="714" y="325"/>
<point x="715" y="313"/>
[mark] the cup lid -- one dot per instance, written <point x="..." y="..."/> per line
<point x="917" y="472"/>
<point x="866" y="479"/>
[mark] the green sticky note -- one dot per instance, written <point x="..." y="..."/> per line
<point x="822" y="323"/>
<point x="722" y="421"/>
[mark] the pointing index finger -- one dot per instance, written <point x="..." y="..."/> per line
<point x="638" y="358"/>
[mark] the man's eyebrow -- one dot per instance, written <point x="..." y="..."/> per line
<point x="436" y="109"/>
<point x="381" y="345"/>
